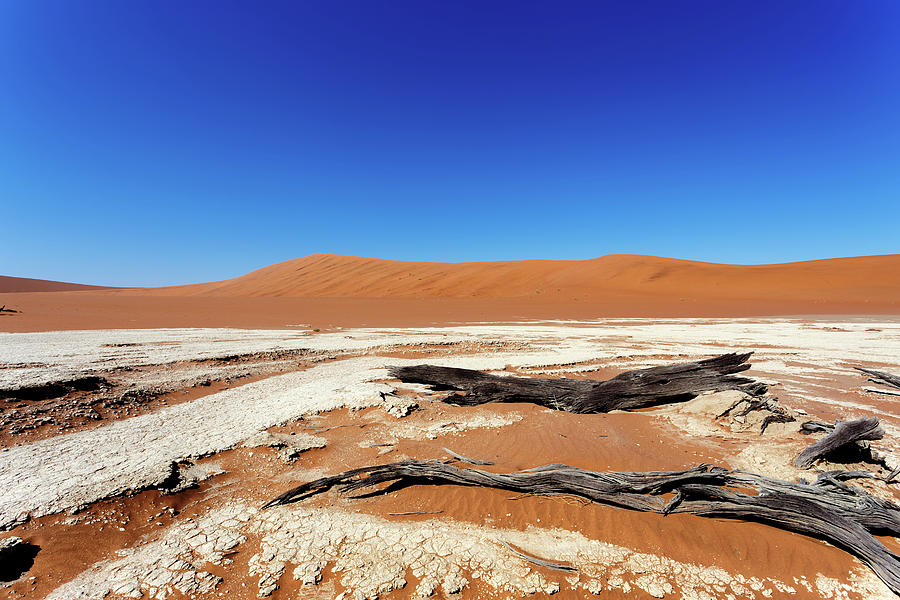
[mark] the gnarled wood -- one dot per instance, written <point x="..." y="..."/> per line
<point x="466" y="459"/>
<point x="843" y="434"/>
<point x="815" y="427"/>
<point x="827" y="509"/>
<point x="881" y="377"/>
<point x="632" y="389"/>
<point x="777" y="414"/>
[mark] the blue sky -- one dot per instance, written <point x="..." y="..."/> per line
<point x="159" y="142"/>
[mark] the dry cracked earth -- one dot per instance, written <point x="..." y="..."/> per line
<point x="134" y="463"/>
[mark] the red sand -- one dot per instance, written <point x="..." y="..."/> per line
<point x="326" y="290"/>
<point x="872" y="278"/>
<point x="24" y="284"/>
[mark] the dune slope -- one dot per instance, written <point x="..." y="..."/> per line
<point x="329" y="291"/>
<point x="870" y="278"/>
<point x="9" y="285"/>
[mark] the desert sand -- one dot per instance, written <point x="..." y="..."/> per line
<point x="24" y="284"/>
<point x="326" y="275"/>
<point x="328" y="291"/>
<point x="142" y="430"/>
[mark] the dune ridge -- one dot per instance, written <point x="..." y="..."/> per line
<point x="11" y="285"/>
<point x="345" y="291"/>
<point x="872" y="278"/>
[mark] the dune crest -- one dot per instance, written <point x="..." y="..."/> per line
<point x="11" y="285"/>
<point x="348" y="291"/>
<point x="326" y="275"/>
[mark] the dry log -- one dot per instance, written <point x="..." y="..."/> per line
<point x="775" y="417"/>
<point x="466" y="459"/>
<point x="415" y="512"/>
<point x="827" y="509"/>
<point x="872" y="390"/>
<point x="844" y="435"/>
<point x="632" y="389"/>
<point x="541" y="562"/>
<point x="815" y="427"/>
<point x="777" y="414"/>
<point x="889" y="478"/>
<point x="881" y="377"/>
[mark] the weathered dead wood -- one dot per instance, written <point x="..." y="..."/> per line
<point x="538" y="561"/>
<point x="777" y="413"/>
<point x="845" y="434"/>
<point x="881" y="377"/>
<point x="632" y="389"/>
<point x="415" y="512"/>
<point x="884" y="392"/>
<point x="466" y="459"/>
<point x="827" y="509"/>
<point x="775" y="417"/>
<point x="809" y="427"/>
<point x="889" y="478"/>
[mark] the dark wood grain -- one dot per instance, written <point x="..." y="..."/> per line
<point x="631" y="389"/>
<point x="828" y="509"/>
<point x="843" y="434"/>
<point x="881" y="377"/>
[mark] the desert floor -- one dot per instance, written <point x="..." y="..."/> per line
<point x="134" y="462"/>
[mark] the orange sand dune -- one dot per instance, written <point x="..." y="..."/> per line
<point x="872" y="279"/>
<point x="24" y="284"/>
<point x="326" y="290"/>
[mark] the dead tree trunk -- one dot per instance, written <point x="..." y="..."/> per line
<point x="844" y="435"/>
<point x="881" y="377"/>
<point x="827" y="509"/>
<point x="628" y="390"/>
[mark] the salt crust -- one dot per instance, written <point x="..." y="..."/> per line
<point x="60" y="474"/>
<point x="48" y="356"/>
<point x="70" y="471"/>
<point x="371" y="556"/>
<point x="289" y="445"/>
<point x="441" y="427"/>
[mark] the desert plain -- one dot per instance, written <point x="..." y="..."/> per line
<point x="143" y="430"/>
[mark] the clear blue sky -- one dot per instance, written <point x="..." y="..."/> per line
<point x="168" y="141"/>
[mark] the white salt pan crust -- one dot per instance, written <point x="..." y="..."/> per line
<point x="60" y="474"/>
<point x="72" y="470"/>
<point x="52" y="355"/>
<point x="372" y="556"/>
